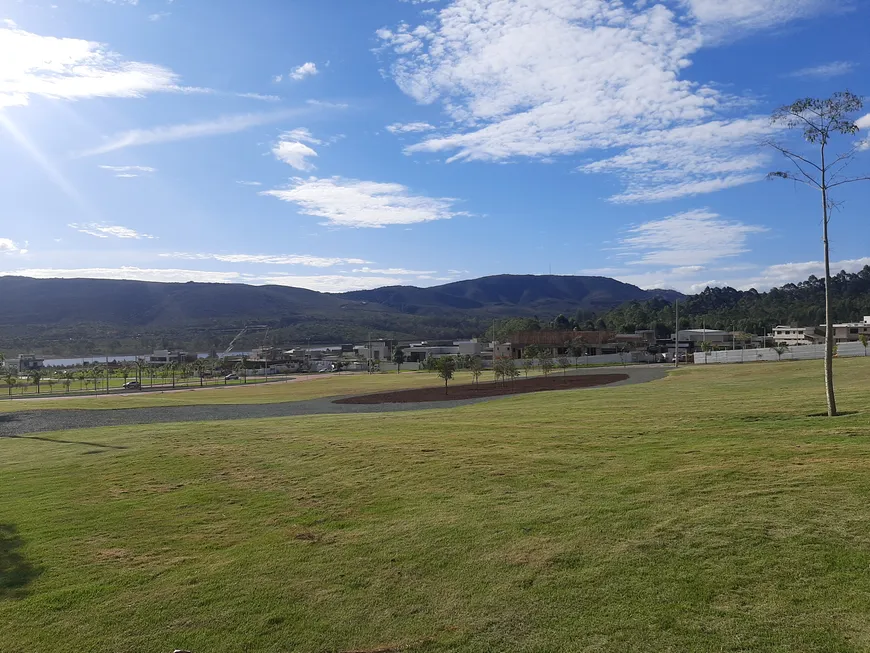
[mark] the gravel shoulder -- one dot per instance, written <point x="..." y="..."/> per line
<point x="41" y="421"/>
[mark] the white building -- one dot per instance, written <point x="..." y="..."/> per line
<point x="852" y="331"/>
<point x="713" y="336"/>
<point x="420" y="351"/>
<point x="469" y="347"/>
<point x="377" y="350"/>
<point x="797" y="336"/>
<point x="170" y="357"/>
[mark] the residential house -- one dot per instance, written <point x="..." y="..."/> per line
<point x="852" y="331"/>
<point x="797" y="336"/>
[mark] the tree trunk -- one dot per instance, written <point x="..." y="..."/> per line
<point x="829" y="322"/>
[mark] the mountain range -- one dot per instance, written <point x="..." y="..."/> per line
<point x="95" y="316"/>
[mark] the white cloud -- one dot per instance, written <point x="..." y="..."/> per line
<point x="267" y="259"/>
<point x="327" y="105"/>
<point x="332" y="282"/>
<point x="107" y="231"/>
<point x="409" y="127"/>
<point x="259" y="96"/>
<point x="863" y="122"/>
<point x="544" y="78"/>
<point x="129" y="172"/>
<point x="603" y="272"/>
<point x="301" y="134"/>
<point x="737" y="15"/>
<point x="693" y="279"/>
<point x="294" y="154"/>
<point x="685" y="161"/>
<point x="133" y="273"/>
<point x="160" y="15"/>
<point x="397" y="271"/>
<point x="8" y="246"/>
<point x="355" y="203"/>
<point x="687" y="239"/>
<point x="825" y="71"/>
<point x="308" y="69"/>
<point x="250" y="183"/>
<point x="778" y="275"/>
<point x="291" y="150"/>
<point x="171" y="133"/>
<point x="71" y="69"/>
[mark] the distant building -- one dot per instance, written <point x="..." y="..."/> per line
<point x="418" y="352"/>
<point x="845" y="332"/>
<point x="796" y="336"/>
<point x="558" y="343"/>
<point x="469" y="347"/>
<point x="713" y="336"/>
<point x="170" y="357"/>
<point x="852" y="331"/>
<point x="268" y="355"/>
<point x="376" y="350"/>
<point x="29" y="362"/>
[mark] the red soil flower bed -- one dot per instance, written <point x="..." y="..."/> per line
<point x="490" y="389"/>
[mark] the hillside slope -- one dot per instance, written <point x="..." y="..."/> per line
<point x="90" y="316"/>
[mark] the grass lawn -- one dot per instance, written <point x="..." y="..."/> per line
<point x="705" y="512"/>
<point x="324" y="385"/>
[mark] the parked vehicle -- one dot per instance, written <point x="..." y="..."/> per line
<point x="132" y="385"/>
<point x="231" y="377"/>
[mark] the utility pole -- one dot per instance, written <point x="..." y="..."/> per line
<point x="677" y="336"/>
<point x="704" y="337"/>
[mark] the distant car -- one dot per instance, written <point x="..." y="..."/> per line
<point x="231" y="377"/>
<point x="132" y="385"/>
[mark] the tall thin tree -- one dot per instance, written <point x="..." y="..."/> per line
<point x="819" y="121"/>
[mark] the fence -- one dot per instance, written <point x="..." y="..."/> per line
<point x="604" y="359"/>
<point x="799" y="353"/>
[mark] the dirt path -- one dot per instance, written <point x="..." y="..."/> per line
<point x="19" y="424"/>
<point x="487" y="389"/>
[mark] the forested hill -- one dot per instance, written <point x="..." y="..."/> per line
<point x="750" y="311"/>
<point x="86" y="316"/>
<point x="96" y="316"/>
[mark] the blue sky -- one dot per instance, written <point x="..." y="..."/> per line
<point x="346" y="144"/>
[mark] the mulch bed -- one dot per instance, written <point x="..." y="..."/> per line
<point x="489" y="389"/>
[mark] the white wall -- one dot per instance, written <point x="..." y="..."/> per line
<point x="801" y="353"/>
<point x="384" y="366"/>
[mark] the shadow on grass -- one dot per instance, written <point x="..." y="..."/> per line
<point x="16" y="572"/>
<point x="58" y="441"/>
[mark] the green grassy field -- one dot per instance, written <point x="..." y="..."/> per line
<point x="705" y="512"/>
<point x="324" y="385"/>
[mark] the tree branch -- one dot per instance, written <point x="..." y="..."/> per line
<point x="794" y="158"/>
<point x="848" y="181"/>
<point x="791" y="155"/>
<point x="791" y="177"/>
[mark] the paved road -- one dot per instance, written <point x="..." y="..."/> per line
<point x="41" y="421"/>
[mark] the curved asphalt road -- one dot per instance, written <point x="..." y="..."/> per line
<point x="41" y="421"/>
